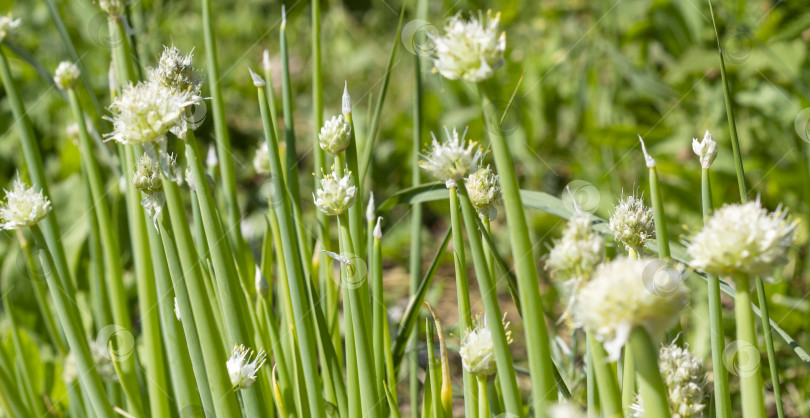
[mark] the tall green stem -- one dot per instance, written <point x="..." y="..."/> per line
<point x="544" y="391"/>
<point x="609" y="396"/>
<point x="489" y="295"/>
<point x="753" y="401"/>
<point x="483" y="401"/>
<point x="722" y="397"/>
<point x="650" y="385"/>
<point x="661" y="236"/>
<point x="463" y="296"/>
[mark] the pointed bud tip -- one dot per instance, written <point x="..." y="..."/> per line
<point x="266" y="60"/>
<point x="378" y="229"/>
<point x="258" y="81"/>
<point x="347" y="100"/>
<point x="648" y="159"/>
<point x="370" y="209"/>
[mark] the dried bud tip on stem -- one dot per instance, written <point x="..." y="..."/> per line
<point x="283" y="17"/>
<point x="347" y="100"/>
<point x="211" y="159"/>
<point x="378" y="228"/>
<point x="370" y="209"/>
<point x="648" y="159"/>
<point x="258" y="81"/>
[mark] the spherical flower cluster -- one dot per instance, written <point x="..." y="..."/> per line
<point x="66" y="75"/>
<point x="483" y="188"/>
<point x="147" y="176"/>
<point x="102" y="362"/>
<point x="8" y="25"/>
<point x="742" y="239"/>
<point x="579" y="250"/>
<point x="335" y="135"/>
<point x="336" y="194"/>
<point x="147" y="111"/>
<point x="470" y="49"/>
<point x="261" y="160"/>
<point x="243" y="365"/>
<point x="477" y="349"/>
<point x="452" y="160"/>
<point x="685" y="380"/>
<point x="618" y="299"/>
<point x="23" y="206"/>
<point x="706" y="150"/>
<point x="176" y="71"/>
<point x="632" y="223"/>
<point x="114" y="8"/>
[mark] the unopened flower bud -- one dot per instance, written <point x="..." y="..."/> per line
<point x="706" y="150"/>
<point x="66" y="75"/>
<point x="335" y="135"/>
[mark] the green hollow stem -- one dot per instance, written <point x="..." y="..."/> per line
<point x="369" y="397"/>
<point x="489" y="295"/>
<point x="177" y="358"/>
<point x="661" y="237"/>
<point x="378" y="314"/>
<point x="113" y="271"/>
<point x="753" y="401"/>
<point x="462" y="296"/>
<point x="483" y="401"/>
<point x="67" y="312"/>
<point x="231" y="296"/>
<point x="650" y="385"/>
<point x="196" y="305"/>
<point x="722" y="397"/>
<point x="24" y="376"/>
<point x="295" y="278"/>
<point x="738" y="166"/>
<point x="607" y="387"/>
<point x="590" y="381"/>
<point x="434" y="371"/>
<point x="628" y="379"/>
<point x="223" y="146"/>
<point x="40" y="294"/>
<point x="544" y="391"/>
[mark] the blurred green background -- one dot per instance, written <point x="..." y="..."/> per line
<point x="592" y="76"/>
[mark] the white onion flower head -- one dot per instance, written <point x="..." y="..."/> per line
<point x="335" y="135"/>
<point x="147" y="175"/>
<point x="23" y="206"/>
<point x="261" y="160"/>
<point x="577" y="253"/>
<point x="176" y="71"/>
<point x="685" y="380"/>
<point x="145" y="112"/>
<point x="8" y="25"/>
<point x="483" y="188"/>
<point x="706" y="150"/>
<point x="243" y="365"/>
<point x="470" y="49"/>
<point x="336" y="194"/>
<point x="452" y="160"/>
<point x="477" y="349"/>
<point x="632" y="223"/>
<point x="742" y="239"/>
<point x="618" y="299"/>
<point x="66" y="75"/>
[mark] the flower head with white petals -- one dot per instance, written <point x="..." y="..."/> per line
<point x="742" y="239"/>
<point x="483" y="188"/>
<point x="579" y="251"/>
<point x="618" y="299"/>
<point x="477" y="349"/>
<point x="261" y="160"/>
<point x="66" y="75"/>
<point x="452" y="160"/>
<point x="336" y="194"/>
<point x="632" y="223"/>
<point x="685" y="380"/>
<point x="145" y="112"/>
<point x="176" y="71"/>
<point x="335" y="135"/>
<point x="23" y="206"/>
<point x="470" y="49"/>
<point x="8" y="25"/>
<point x="243" y="365"/>
<point x="706" y="150"/>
